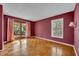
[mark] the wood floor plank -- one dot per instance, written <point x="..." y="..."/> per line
<point x="36" y="47"/>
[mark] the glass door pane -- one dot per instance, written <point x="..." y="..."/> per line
<point x="19" y="30"/>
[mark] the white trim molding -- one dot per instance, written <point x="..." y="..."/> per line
<point x="54" y="41"/>
<point x="75" y="51"/>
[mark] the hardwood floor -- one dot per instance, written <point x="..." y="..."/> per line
<point x="36" y="47"/>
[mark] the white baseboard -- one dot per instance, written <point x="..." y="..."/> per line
<point x="59" y="43"/>
<point x="75" y="51"/>
<point x="55" y="41"/>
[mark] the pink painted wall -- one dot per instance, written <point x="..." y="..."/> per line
<point x="1" y="26"/>
<point x="76" y="32"/>
<point x="43" y="28"/>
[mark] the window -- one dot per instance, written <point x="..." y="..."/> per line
<point x="57" y="28"/>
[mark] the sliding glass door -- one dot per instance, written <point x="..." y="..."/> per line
<point x="19" y="30"/>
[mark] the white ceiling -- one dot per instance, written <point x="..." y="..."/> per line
<point x="36" y="11"/>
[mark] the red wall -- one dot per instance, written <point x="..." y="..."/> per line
<point x="5" y="28"/>
<point x="32" y="28"/>
<point x="43" y="28"/>
<point x="76" y="32"/>
<point x="1" y="26"/>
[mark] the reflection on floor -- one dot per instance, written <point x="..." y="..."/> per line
<point x="36" y="47"/>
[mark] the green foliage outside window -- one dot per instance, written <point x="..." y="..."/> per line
<point x="19" y="29"/>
